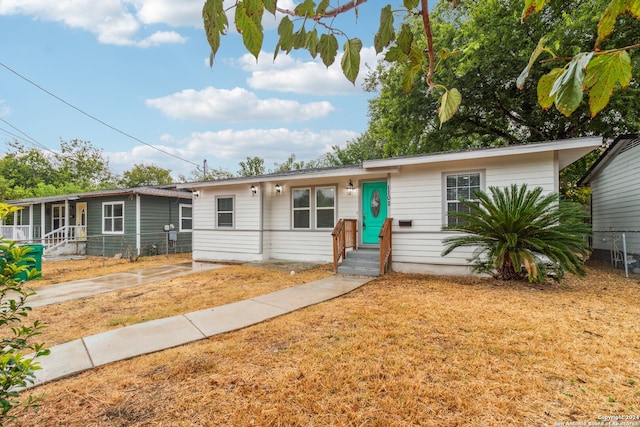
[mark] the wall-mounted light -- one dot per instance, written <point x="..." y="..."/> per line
<point x="196" y="194"/>
<point x="278" y="189"/>
<point x="254" y="190"/>
<point x="350" y="188"/>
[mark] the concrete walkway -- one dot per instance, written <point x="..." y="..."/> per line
<point x="143" y="338"/>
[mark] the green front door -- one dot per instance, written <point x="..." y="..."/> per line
<point x="374" y="210"/>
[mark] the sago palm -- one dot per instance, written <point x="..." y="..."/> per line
<point x="519" y="233"/>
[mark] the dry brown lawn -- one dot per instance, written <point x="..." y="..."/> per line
<point x="402" y="350"/>
<point x="67" y="320"/>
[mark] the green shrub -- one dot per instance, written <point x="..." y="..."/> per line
<point x="17" y="370"/>
<point x="517" y="234"/>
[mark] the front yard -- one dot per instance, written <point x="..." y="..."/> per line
<point x="402" y="350"/>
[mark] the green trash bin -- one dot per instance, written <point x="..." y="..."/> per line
<point x="35" y="253"/>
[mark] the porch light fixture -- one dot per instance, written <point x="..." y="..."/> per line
<point x="278" y="189"/>
<point x="350" y="188"/>
<point x="254" y="190"/>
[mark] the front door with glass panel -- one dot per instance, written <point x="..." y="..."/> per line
<point x="374" y="210"/>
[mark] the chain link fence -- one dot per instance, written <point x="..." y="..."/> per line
<point x="127" y="245"/>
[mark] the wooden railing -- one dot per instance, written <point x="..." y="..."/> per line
<point x="344" y="236"/>
<point x="385" y="246"/>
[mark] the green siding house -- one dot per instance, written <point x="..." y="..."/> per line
<point x="133" y="222"/>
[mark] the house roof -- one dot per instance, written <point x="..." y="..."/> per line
<point x="159" y="190"/>
<point x="349" y="170"/>
<point x="568" y="151"/>
<point x="618" y="144"/>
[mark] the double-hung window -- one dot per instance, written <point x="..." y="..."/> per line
<point x="186" y="219"/>
<point x="302" y="208"/>
<point x="459" y="186"/>
<point x="325" y="207"/>
<point x="224" y="212"/>
<point x="113" y="217"/>
<point x="314" y="207"/>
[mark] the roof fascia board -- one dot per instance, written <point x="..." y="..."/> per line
<point x="486" y="153"/>
<point x="348" y="172"/>
<point x="605" y="158"/>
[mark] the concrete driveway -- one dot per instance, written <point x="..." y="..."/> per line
<point x="59" y="292"/>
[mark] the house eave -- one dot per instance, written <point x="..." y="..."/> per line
<point x="150" y="191"/>
<point x="570" y="150"/>
<point x="347" y="171"/>
<point x="605" y="158"/>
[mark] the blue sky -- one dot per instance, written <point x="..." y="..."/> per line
<point x="141" y="66"/>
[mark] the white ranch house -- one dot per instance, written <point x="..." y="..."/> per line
<point x="292" y="216"/>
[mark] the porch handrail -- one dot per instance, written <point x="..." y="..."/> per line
<point x="344" y="236"/>
<point x="74" y="232"/>
<point x="385" y="237"/>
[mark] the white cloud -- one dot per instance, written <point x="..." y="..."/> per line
<point x="171" y="12"/>
<point x="288" y="74"/>
<point x="112" y="21"/>
<point x="235" y="105"/>
<point x="224" y="149"/>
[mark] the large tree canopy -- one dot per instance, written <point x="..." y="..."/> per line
<point x="141" y="174"/>
<point x="489" y="44"/>
<point x="599" y="68"/>
<point x="78" y="166"/>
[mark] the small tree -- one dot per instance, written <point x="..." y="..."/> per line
<point x="519" y="233"/>
<point x="16" y="370"/>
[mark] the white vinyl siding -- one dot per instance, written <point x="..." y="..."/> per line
<point x="113" y="218"/>
<point x="417" y="194"/>
<point x="615" y="201"/>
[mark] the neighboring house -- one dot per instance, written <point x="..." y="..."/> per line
<point x="127" y="221"/>
<point x="292" y="215"/>
<point x="615" y="199"/>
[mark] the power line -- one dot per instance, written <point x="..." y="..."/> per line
<point x="33" y="141"/>
<point x="29" y="138"/>
<point x="95" y="118"/>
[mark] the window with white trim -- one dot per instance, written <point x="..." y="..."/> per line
<point x="325" y="207"/>
<point x="224" y="212"/>
<point x="57" y="216"/>
<point x="113" y="217"/>
<point x="301" y="208"/>
<point x="460" y="186"/>
<point x="186" y="218"/>
<point x="314" y="207"/>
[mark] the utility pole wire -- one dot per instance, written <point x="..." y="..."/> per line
<point x="95" y="118"/>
